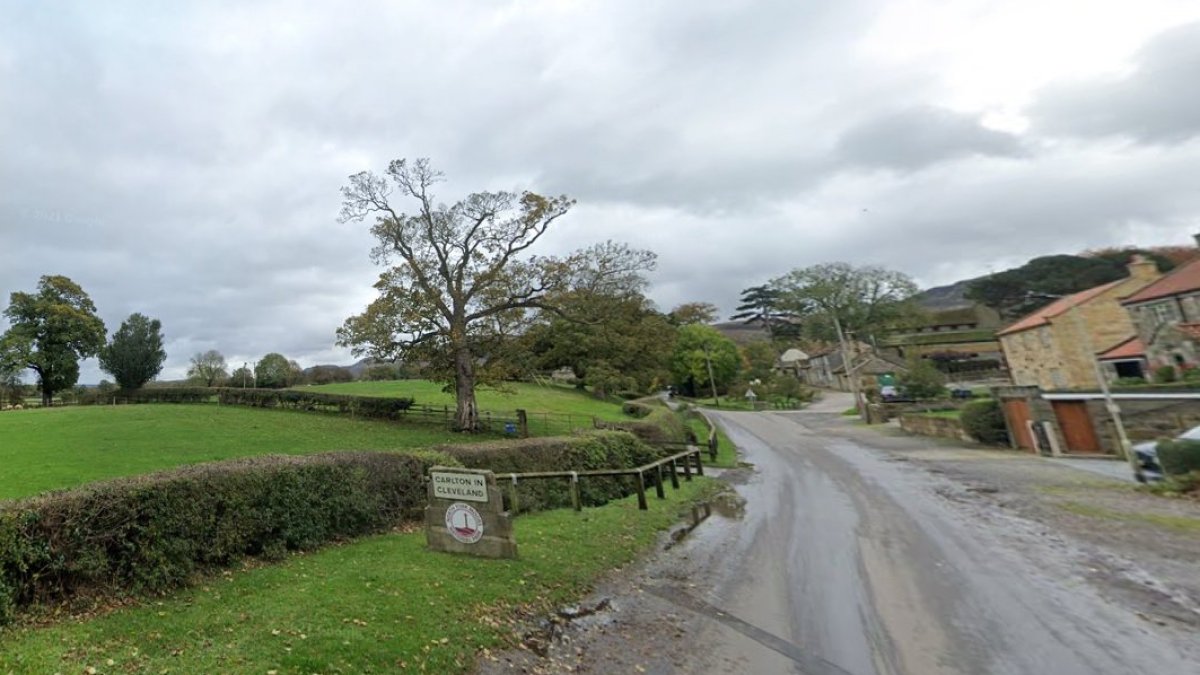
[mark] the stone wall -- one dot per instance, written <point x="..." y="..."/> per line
<point x="1145" y="420"/>
<point x="938" y="427"/>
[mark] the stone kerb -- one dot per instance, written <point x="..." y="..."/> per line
<point x="466" y="514"/>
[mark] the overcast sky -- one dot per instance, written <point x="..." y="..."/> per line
<point x="185" y="161"/>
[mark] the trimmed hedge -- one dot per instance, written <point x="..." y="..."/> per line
<point x="1179" y="457"/>
<point x="656" y="423"/>
<point x="586" y="451"/>
<point x="984" y="421"/>
<point x="152" y="533"/>
<point x="379" y="407"/>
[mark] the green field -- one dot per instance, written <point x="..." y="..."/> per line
<point x="383" y="604"/>
<point x="530" y="397"/>
<point x="56" y="448"/>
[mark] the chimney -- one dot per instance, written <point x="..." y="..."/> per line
<point x="1197" y="238"/>
<point x="1141" y="268"/>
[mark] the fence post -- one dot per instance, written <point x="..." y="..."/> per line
<point x="674" y="475"/>
<point x="658" y="480"/>
<point x="522" y="423"/>
<point x="687" y="468"/>
<point x="513" y="503"/>
<point x="641" y="492"/>
<point x="576" y="501"/>
<point x="712" y="446"/>
<point x="699" y="464"/>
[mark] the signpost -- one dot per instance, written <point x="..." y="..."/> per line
<point x="465" y="514"/>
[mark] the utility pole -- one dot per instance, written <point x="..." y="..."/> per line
<point x="850" y="375"/>
<point x="1110" y="404"/>
<point x="711" y="380"/>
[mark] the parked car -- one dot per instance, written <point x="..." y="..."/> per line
<point x="1147" y="455"/>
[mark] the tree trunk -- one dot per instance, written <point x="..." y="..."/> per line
<point x="467" y="413"/>
<point x="47" y="397"/>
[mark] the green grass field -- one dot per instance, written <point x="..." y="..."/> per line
<point x="382" y="604"/>
<point x="56" y="448"/>
<point x="530" y="397"/>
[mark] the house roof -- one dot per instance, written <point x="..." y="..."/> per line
<point x="1125" y="351"/>
<point x="1058" y="308"/>
<point x="1182" y="279"/>
<point x="793" y="355"/>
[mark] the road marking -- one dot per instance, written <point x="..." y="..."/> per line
<point x="809" y="665"/>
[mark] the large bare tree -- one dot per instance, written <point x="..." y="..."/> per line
<point x="459" y="281"/>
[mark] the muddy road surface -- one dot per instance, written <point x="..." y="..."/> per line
<point x="844" y="560"/>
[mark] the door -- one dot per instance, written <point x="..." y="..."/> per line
<point x="1076" y="425"/>
<point x="1017" y="412"/>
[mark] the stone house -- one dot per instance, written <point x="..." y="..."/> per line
<point x="1050" y="347"/>
<point x="966" y="332"/>
<point x="1166" y="315"/>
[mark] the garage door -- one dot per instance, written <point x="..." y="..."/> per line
<point x="1017" y="412"/>
<point x="1076" y="425"/>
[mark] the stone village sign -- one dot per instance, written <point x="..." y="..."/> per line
<point x="466" y="514"/>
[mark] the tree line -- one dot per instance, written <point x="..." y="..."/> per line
<point x="464" y="298"/>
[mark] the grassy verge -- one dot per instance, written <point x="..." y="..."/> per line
<point x="726" y="451"/>
<point x="55" y="448"/>
<point x="528" y="396"/>
<point x="1178" y="523"/>
<point x="383" y="604"/>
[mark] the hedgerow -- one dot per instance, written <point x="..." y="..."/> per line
<point x="984" y="421"/>
<point x="378" y="407"/>
<point x="152" y="533"/>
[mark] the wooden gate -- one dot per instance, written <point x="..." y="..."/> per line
<point x="1017" y="412"/>
<point x="1076" y="425"/>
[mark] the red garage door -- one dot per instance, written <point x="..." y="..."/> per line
<point x="1017" y="412"/>
<point x="1076" y="425"/>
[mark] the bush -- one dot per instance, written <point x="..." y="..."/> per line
<point x="587" y="451"/>
<point x="922" y="381"/>
<point x="152" y="533"/>
<point x="657" y="424"/>
<point x="1164" y="374"/>
<point x="984" y="421"/>
<point x="1179" y="457"/>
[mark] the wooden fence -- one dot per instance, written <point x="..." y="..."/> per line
<point x="654" y="471"/>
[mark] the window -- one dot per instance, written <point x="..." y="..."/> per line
<point x="1163" y="313"/>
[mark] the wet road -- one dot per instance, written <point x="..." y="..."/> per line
<point x="846" y="562"/>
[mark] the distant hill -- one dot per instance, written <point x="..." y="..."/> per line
<point x="952" y="296"/>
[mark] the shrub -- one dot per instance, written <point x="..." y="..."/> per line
<point x="984" y="421"/>
<point x="922" y="381"/>
<point x="658" y="425"/>
<point x="1179" y="457"/>
<point x="152" y="533"/>
<point x="1164" y="374"/>
<point x="586" y="451"/>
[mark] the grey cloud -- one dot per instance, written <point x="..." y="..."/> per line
<point x="185" y="161"/>
<point x="1159" y="102"/>
<point x="918" y="137"/>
